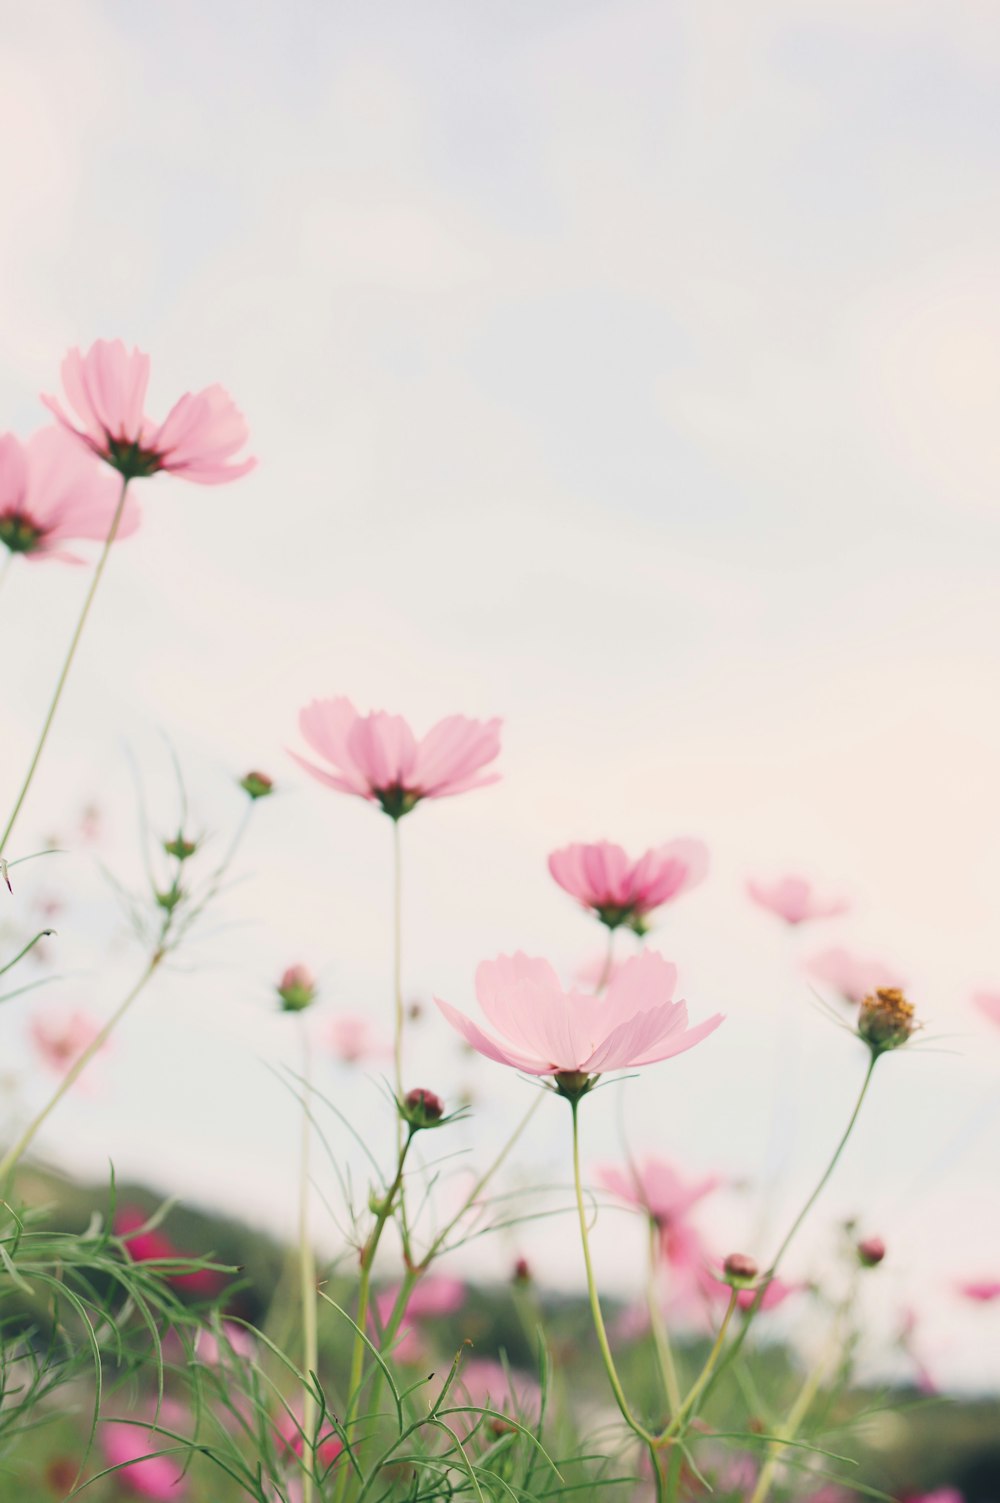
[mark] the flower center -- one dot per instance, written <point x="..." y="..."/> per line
<point x="396" y="800"/>
<point x="132" y="461"/>
<point x="19" y="532"/>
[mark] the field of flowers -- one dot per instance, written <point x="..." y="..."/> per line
<point x="152" y="1351"/>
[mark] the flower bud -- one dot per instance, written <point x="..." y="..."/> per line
<point x="422" y="1108"/>
<point x="168" y="900"/>
<point x="257" y="784"/>
<point x="180" y="848"/>
<point x="522" y="1271"/>
<point x="739" y="1270"/>
<point x="297" y="988"/>
<point x="886" y="1020"/>
<point x="871" y="1251"/>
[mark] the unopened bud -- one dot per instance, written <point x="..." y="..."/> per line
<point x="522" y="1271"/>
<point x="739" y="1270"/>
<point x="180" y="848"/>
<point x="871" y="1251"/>
<point x="297" y="988"/>
<point x="886" y="1019"/>
<point x="422" y="1108"/>
<point x="257" y="784"/>
<point x="168" y="900"/>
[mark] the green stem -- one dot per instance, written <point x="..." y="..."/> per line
<point x="13" y="1155"/>
<point x="789" y="1430"/>
<point x="397" y="958"/>
<point x="364" y="1288"/>
<point x="307" y="1285"/>
<point x="661" y="1339"/>
<point x="68" y="663"/>
<point x="595" y="1303"/>
<point x="42" y="934"/>
<point x="701" y="1381"/>
<point x="609" y="960"/>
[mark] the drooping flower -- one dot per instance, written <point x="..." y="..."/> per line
<point x="795" y="900"/>
<point x="575" y="1036"/>
<point x="853" y="976"/>
<point x="61" y="1038"/>
<point x="988" y="1004"/>
<point x="377" y="757"/>
<point x="619" y="891"/>
<point x="130" y="1447"/>
<point x="52" y="493"/>
<point x="197" y="440"/>
<point x="981" y="1291"/>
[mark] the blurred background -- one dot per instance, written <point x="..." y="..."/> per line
<point x="627" y="370"/>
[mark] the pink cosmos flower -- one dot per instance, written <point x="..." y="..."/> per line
<point x="795" y="900"/>
<point x="434" y="1296"/>
<point x="154" y="1244"/>
<point x="982" y="1291"/>
<point x="352" y="1038"/>
<point x="619" y="891"/>
<point x="130" y="1447"/>
<point x="546" y="1031"/>
<point x="377" y="757"/>
<point x="487" y="1384"/>
<point x="292" y="1441"/>
<point x="654" y="1186"/>
<point x="852" y="976"/>
<point x="231" y="1341"/>
<point x="52" y="493"/>
<point x="106" y="388"/>
<point x="61" y="1038"/>
<point x="988" y="1004"/>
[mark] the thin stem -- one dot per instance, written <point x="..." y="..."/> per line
<point x="12" y="1156"/>
<point x="42" y="934"/>
<point x="5" y="566"/>
<point x="397" y="956"/>
<point x="364" y="1288"/>
<point x="307" y="1283"/>
<point x="595" y="1303"/>
<point x="789" y="1430"/>
<point x="609" y="960"/>
<point x="661" y="1339"/>
<point x="702" y="1379"/>
<point x="480" y="1184"/>
<point x="67" y="664"/>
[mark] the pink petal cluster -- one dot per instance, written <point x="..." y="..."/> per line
<point x="129" y="1447"/>
<point x="795" y="900"/>
<point x="851" y="975"/>
<point x="106" y="389"/>
<point x="435" y="1296"/>
<point x="988" y="1004"/>
<point x="154" y="1244"/>
<point x="547" y="1031"/>
<point x="487" y="1384"/>
<point x="620" y="891"/>
<point x="291" y="1439"/>
<point x="981" y="1291"/>
<point x="52" y="493"/>
<point x="377" y="756"/>
<point x="60" y="1039"/>
<point x="655" y="1186"/>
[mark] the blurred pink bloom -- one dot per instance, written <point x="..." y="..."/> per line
<point x="377" y="756"/>
<point x="982" y="1291"/>
<point x="52" y="493"/>
<point x="106" y="388"/>
<point x="926" y="1382"/>
<point x="777" y="1291"/>
<point x="795" y="900"/>
<point x="851" y="975"/>
<point x="232" y="1341"/>
<point x="435" y="1296"/>
<point x="988" y="1004"/>
<point x="654" y="1186"/>
<point x="61" y="1038"/>
<point x="487" y="1384"/>
<point x="619" y="891"/>
<point x="547" y="1031"/>
<point x="596" y="971"/>
<point x="125" y="1446"/>
<point x="154" y="1244"/>
<point x="352" y="1039"/>
<point x="939" y="1495"/>
<point x="291" y="1439"/>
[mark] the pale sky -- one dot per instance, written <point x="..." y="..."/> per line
<point x="629" y="371"/>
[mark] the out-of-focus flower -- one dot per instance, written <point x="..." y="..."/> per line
<point x="129" y="1446"/>
<point x="154" y="1245"/>
<point x="487" y="1384"/>
<point x="988" y="1004"/>
<point x="654" y="1186"/>
<point x="51" y="493"/>
<point x="620" y="891"/>
<point x="795" y="900"/>
<point x="598" y="971"/>
<point x="871" y="1251"/>
<point x="939" y="1495"/>
<point x="926" y="1382"/>
<point x="981" y="1291"/>
<point x="377" y="756"/>
<point x="197" y="440"/>
<point x="257" y="785"/>
<point x="230" y="1342"/>
<point x="522" y="1272"/>
<point x="739" y="1269"/>
<point x="61" y="1038"/>
<point x="434" y="1297"/>
<point x="853" y="976"/>
<point x="352" y="1038"/>
<point x="718" y="1282"/>
<point x="887" y="1020"/>
<point x="297" y="988"/>
<point x="291" y="1440"/>
<point x="575" y="1036"/>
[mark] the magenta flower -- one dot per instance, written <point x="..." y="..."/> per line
<point x="377" y="757"/>
<point x="988" y="1004"/>
<point x="51" y="493"/>
<point x="106" y="388"/>
<point x="61" y="1038"/>
<point x="619" y="891"/>
<point x="574" y="1035"/>
<point x="850" y="975"/>
<point x="982" y="1291"/>
<point x="129" y="1447"/>
<point x="795" y="900"/>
